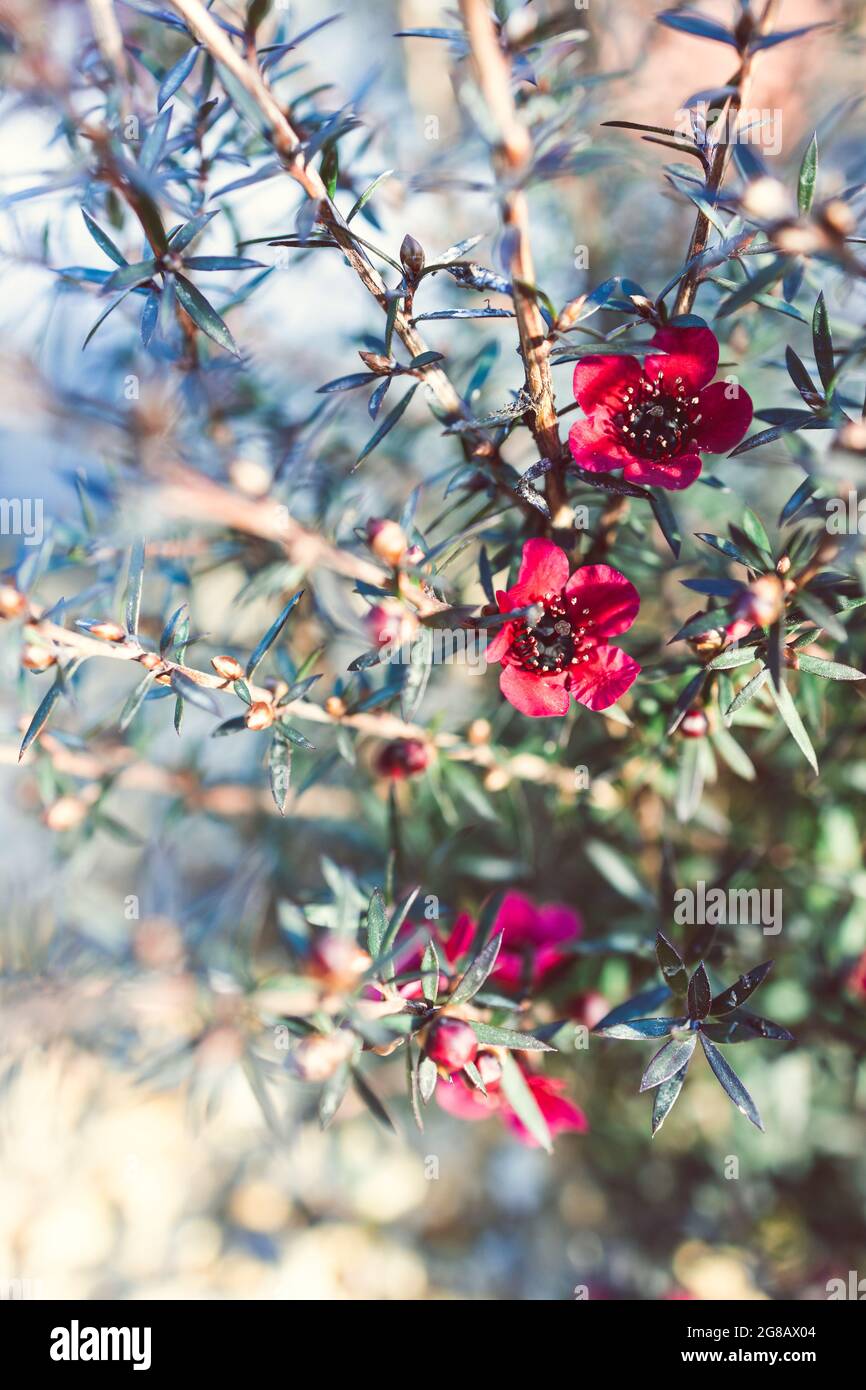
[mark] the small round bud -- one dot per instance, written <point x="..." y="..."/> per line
<point x="451" y="1043"/>
<point x="250" y="477"/>
<point x="150" y="660"/>
<point x="228" y="667"/>
<point x="766" y="198"/>
<point x="36" y="658"/>
<point x="338" y="959"/>
<point x="317" y="1057"/>
<point x="386" y="540"/>
<point x="12" y="603"/>
<point x="838" y="218"/>
<point x="335" y="707"/>
<point x="66" y="813"/>
<point x="260" y="715"/>
<point x="694" y="723"/>
<point x="707" y="643"/>
<point x="108" y="632"/>
<point x="478" y="732"/>
<point x="404" y="757"/>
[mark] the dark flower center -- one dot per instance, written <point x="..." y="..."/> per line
<point x="655" y="422"/>
<point x="554" y="638"/>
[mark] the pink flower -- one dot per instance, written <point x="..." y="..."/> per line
<point x="531" y="951"/>
<point x="560" y="649"/>
<point x="465" y="1102"/>
<point x="405" y="757"/>
<point x="654" y="421"/>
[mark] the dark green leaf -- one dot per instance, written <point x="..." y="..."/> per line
<point x="672" y="1058"/>
<point x="40" y="718"/>
<point x="731" y="1083"/>
<point x="508" y="1037"/>
<point x="739" y="991"/>
<point x="699" y="993"/>
<point x="270" y="637"/>
<point x="203" y="315"/>
<point x="477" y="972"/>
<point x="671" y="965"/>
<point x="808" y="176"/>
<point x="666" y="1097"/>
<point x="387" y="424"/>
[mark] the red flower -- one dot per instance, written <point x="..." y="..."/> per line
<point x="654" y="421"/>
<point x="464" y="1101"/>
<point x="531" y="951"/>
<point x="561" y="648"/>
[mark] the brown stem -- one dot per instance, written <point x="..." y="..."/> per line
<point x="289" y="148"/>
<point x="729" y="115"/>
<point x="512" y="153"/>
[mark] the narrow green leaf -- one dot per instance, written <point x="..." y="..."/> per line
<point x="739" y="991"/>
<point x="666" y="1097"/>
<point x="788" y="710"/>
<point x="731" y="1083"/>
<point x="270" y="637"/>
<point x="508" y="1037"/>
<point x="40" y="718"/>
<point x="523" y="1102"/>
<point x="700" y="993"/>
<point x="203" y="314"/>
<point x="670" y="1059"/>
<point x="671" y="965"/>
<point x="134" y="583"/>
<point x="477" y="972"/>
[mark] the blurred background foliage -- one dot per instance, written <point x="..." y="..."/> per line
<point x="136" y="1160"/>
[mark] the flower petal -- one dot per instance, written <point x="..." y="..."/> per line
<point x="724" y="417"/>
<point x="561" y="1114"/>
<point x="534" y="695"/>
<point x="673" y="474"/>
<point x="607" y="675"/>
<point x="460" y="938"/>
<point x="462" y="1100"/>
<point x="612" y="600"/>
<point x="594" y="446"/>
<point x="499" y="644"/>
<point x="602" y="380"/>
<point x="543" y="570"/>
<point x="692" y="353"/>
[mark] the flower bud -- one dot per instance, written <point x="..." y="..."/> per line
<point x="707" y="643"/>
<point x="65" y="813"/>
<point x="150" y="661"/>
<point x="451" y="1043"/>
<point x="478" y="732"/>
<point x="12" y="603"/>
<point x="838" y="218"/>
<point x="228" y="667"/>
<point x="377" y="362"/>
<point x="412" y="256"/>
<point x="317" y="1057"/>
<point x="338" y="959"/>
<point x="389" y="624"/>
<point x="108" y="632"/>
<point x="694" y="723"/>
<point x="260" y="715"/>
<point x="386" y="540"/>
<point x="489" y="1069"/>
<point x="404" y="757"/>
<point x="36" y="658"/>
<point x="760" y="606"/>
<point x="335" y="707"/>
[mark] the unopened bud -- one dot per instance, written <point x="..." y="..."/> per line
<point x="108" y="632"/>
<point x="250" y="477"/>
<point x="838" y="218"/>
<point x="36" y="658"/>
<point x="65" y="813"/>
<point x="451" y="1043"/>
<point x="412" y="256"/>
<point x="335" y="707"/>
<point x="405" y="757"/>
<point x="390" y="624"/>
<point x="377" y="362"/>
<point x="12" y="603"/>
<point x="478" y="732"/>
<point x="150" y="661"/>
<point x="260" y="715"/>
<point x="338" y="959"/>
<point x="387" y="540"/>
<point x="228" y="667"/>
<point x="694" y="723"/>
<point x="318" y="1056"/>
<point x="766" y="198"/>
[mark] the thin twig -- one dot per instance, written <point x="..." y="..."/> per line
<point x="728" y="117"/>
<point x="513" y="152"/>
